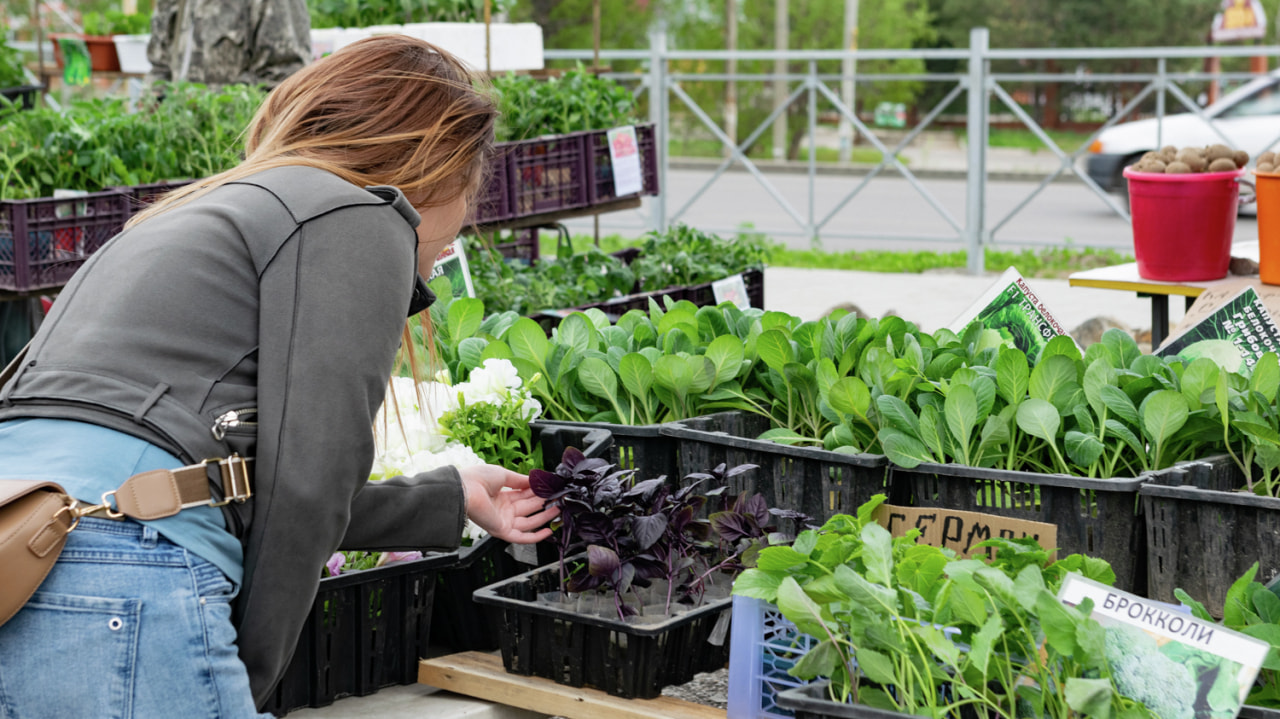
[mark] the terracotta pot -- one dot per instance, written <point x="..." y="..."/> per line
<point x="102" y="52"/>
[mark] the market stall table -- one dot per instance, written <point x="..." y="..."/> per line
<point x="1126" y="277"/>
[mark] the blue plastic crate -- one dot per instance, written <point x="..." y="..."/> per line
<point x="762" y="647"/>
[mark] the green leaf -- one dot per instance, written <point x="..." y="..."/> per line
<point x="1083" y="449"/>
<point x="821" y="660"/>
<point x="1051" y="376"/>
<point x="1089" y="697"/>
<point x="465" y="316"/>
<point x="758" y="584"/>
<point x="528" y="341"/>
<point x="961" y="412"/>
<point x="1163" y="413"/>
<point x="1198" y="609"/>
<point x="877" y="554"/>
<point x="673" y="373"/>
<point x="1266" y="377"/>
<point x="577" y="332"/>
<point x="496" y="349"/>
<point x="636" y="374"/>
<point x="471" y="352"/>
<point x="875" y="598"/>
<point x="876" y="666"/>
<point x="783" y="435"/>
<point x="1098" y="375"/>
<point x="983" y="640"/>
<point x="904" y="450"/>
<point x="774" y="349"/>
<point x="898" y="415"/>
<point x="1058" y="622"/>
<point x="803" y="612"/>
<point x="849" y="395"/>
<point x="1199" y="377"/>
<point x="726" y="354"/>
<point x="1038" y="418"/>
<point x="597" y="377"/>
<point x="1235" y="604"/>
<point x="1119" y="404"/>
<point x="780" y="559"/>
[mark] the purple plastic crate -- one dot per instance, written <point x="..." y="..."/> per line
<point x="141" y="196"/>
<point x="601" y="167"/>
<point x="44" y="241"/>
<point x="549" y="174"/>
<point x="495" y="202"/>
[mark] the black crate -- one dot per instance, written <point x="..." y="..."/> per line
<point x="642" y="448"/>
<point x="811" y="702"/>
<point x="345" y="651"/>
<point x="23" y="96"/>
<point x="1252" y="712"/>
<point x="366" y="630"/>
<point x="817" y="482"/>
<point x="620" y="658"/>
<point x="1096" y="517"/>
<point x="1203" y="532"/>
<point x="44" y="241"/>
<point x="458" y="622"/>
<point x="703" y="296"/>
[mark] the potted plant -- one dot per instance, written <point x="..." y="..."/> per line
<point x="99" y="28"/>
<point x="909" y="629"/>
<point x="646" y="604"/>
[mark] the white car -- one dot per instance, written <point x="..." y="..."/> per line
<point x="1248" y="117"/>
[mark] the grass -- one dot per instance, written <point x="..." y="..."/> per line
<point x="1024" y="139"/>
<point x="1050" y="262"/>
<point x="694" y="147"/>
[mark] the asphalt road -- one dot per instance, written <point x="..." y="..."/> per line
<point x="889" y="212"/>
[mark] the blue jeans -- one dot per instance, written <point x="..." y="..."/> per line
<point x="127" y="624"/>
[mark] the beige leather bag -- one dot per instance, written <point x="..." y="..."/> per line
<point x="36" y="517"/>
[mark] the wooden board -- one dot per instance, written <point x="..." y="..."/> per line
<point x="482" y="676"/>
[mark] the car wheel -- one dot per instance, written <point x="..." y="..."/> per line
<point x="1121" y="183"/>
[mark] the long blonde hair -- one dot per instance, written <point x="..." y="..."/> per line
<point x="386" y="110"/>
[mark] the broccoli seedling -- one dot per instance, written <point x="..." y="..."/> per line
<point x="1143" y="674"/>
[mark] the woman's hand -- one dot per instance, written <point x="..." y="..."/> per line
<point x="501" y="502"/>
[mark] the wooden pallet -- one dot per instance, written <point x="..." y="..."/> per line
<point x="482" y="676"/>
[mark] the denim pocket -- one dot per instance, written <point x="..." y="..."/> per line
<point x="64" y="652"/>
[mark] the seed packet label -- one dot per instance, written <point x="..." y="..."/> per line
<point x="959" y="531"/>
<point x="624" y="155"/>
<point x="452" y="263"/>
<point x="1013" y="309"/>
<point x="731" y="289"/>
<point x="1233" y="325"/>
<point x="1220" y="663"/>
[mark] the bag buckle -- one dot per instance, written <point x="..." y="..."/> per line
<point x="235" y="479"/>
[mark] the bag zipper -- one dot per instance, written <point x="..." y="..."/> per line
<point x="234" y="419"/>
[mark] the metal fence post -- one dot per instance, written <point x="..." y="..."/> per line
<point x="1161" y="79"/>
<point x="976" y="126"/>
<point x="812" y="229"/>
<point x="661" y="119"/>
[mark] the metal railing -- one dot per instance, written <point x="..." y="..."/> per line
<point x="667" y="91"/>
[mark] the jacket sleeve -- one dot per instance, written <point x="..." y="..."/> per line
<point x="395" y="514"/>
<point x="333" y="301"/>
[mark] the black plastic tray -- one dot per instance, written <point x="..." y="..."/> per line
<point x="1203" y="533"/>
<point x="622" y="659"/>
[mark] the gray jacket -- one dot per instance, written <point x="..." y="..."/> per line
<point x="285" y="292"/>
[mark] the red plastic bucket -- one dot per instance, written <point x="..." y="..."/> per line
<point x="1183" y="224"/>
